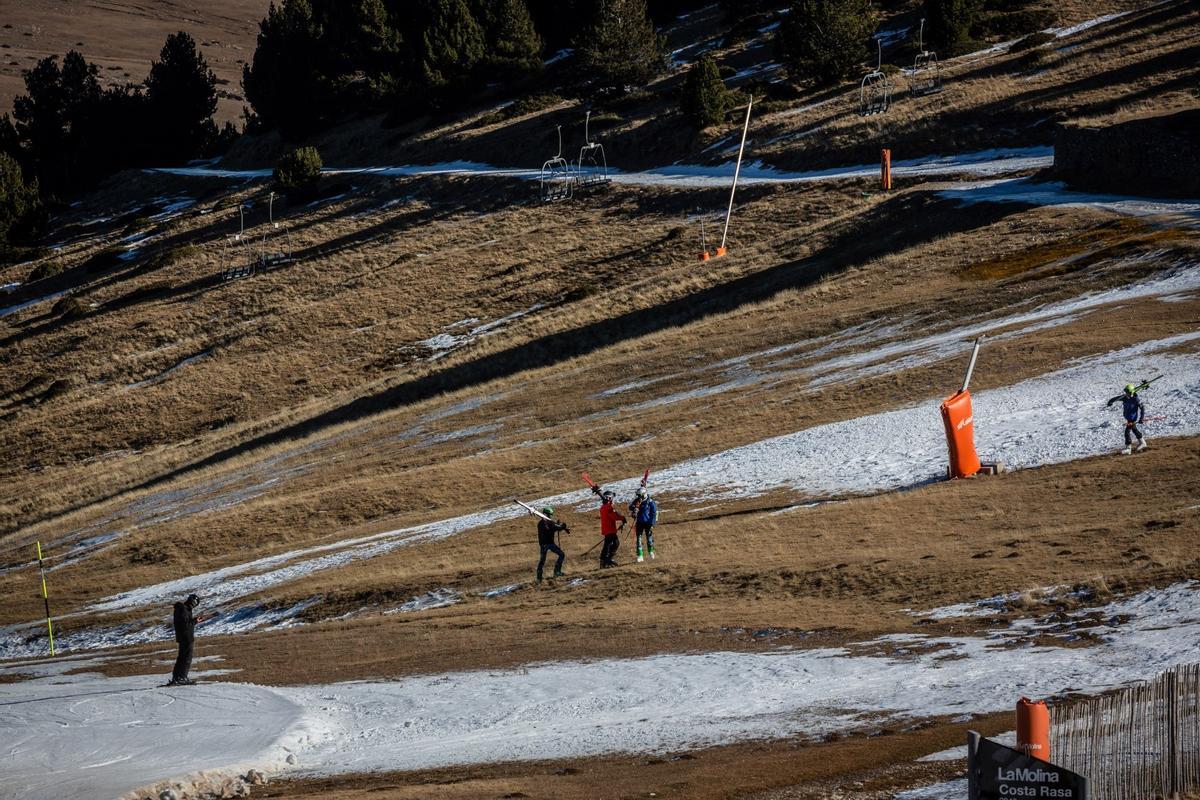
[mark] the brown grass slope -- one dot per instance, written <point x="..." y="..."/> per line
<point x="201" y="423"/>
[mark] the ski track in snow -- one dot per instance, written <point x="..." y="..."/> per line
<point x="985" y="162"/>
<point x="569" y="709"/>
<point x="1050" y="419"/>
<point x="1024" y="190"/>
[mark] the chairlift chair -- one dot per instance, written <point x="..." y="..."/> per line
<point x="926" y="75"/>
<point x="272" y="258"/>
<point x="235" y="258"/>
<point x="558" y="183"/>
<point x="592" y="167"/>
<point x="875" y="91"/>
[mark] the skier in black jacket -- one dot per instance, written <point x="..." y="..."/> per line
<point x="547" y="531"/>
<point x="185" y="634"/>
<point x="1134" y="413"/>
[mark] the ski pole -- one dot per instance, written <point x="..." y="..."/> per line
<point x="593" y="547"/>
<point x="45" y="596"/>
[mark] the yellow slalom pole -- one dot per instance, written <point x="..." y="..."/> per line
<point x="45" y="597"/>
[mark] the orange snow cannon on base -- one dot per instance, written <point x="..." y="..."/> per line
<point x="1033" y="728"/>
<point x="959" y="420"/>
<point x="960" y="435"/>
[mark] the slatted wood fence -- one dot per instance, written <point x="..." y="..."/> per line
<point x="1140" y="743"/>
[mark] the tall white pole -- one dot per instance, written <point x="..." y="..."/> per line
<point x="736" y="172"/>
<point x="971" y="367"/>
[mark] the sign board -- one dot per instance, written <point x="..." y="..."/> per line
<point x="996" y="772"/>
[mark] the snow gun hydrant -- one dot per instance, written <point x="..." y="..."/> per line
<point x="959" y="420"/>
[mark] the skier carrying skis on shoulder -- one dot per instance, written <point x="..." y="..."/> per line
<point x="1134" y="413"/>
<point x="645" y="515"/>
<point x="547" y="532"/>
<point x="610" y="523"/>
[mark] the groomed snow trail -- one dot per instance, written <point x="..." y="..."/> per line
<point x="985" y="162"/>
<point x="1050" y="419"/>
<point x="100" y="737"/>
<point x="110" y="735"/>
<point x="1025" y="190"/>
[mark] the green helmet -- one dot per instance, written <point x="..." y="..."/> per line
<point x="548" y="511"/>
<point x="1130" y="389"/>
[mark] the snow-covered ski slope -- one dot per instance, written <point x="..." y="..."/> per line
<point x="985" y="162"/>
<point x="114" y="735"/>
<point x="87" y="736"/>
<point x="1053" y="418"/>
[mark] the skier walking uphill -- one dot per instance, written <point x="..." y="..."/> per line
<point x="645" y="512"/>
<point x="609" y="519"/>
<point x="1134" y="413"/>
<point x="547" y="531"/>
<point x="185" y="635"/>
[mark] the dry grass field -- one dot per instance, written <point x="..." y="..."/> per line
<point x="443" y="344"/>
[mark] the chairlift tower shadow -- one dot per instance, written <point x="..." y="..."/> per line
<point x="926" y="75"/>
<point x="875" y="90"/>
<point x="558" y="179"/>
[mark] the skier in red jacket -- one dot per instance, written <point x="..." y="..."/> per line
<point x="611" y="522"/>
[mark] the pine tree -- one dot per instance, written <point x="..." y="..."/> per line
<point x="704" y="99"/>
<point x="182" y="93"/>
<point x="52" y="118"/>
<point x="949" y="24"/>
<point x="298" y="172"/>
<point x="18" y="200"/>
<point x="557" y="21"/>
<point x="514" y="46"/>
<point x="452" y="45"/>
<point x="283" y="83"/>
<point x="826" y="40"/>
<point x="621" y="47"/>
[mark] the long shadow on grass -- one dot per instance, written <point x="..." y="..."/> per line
<point x="892" y="227"/>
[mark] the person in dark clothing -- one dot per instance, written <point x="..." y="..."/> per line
<point x="185" y="634"/>
<point x="547" y="532"/>
<point x="1134" y="413"/>
<point x="611" y="523"/>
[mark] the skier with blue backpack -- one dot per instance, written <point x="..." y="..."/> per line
<point x="645" y="513"/>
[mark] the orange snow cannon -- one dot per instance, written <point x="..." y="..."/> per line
<point x="959" y="420"/>
<point x="960" y="435"/>
<point x="1033" y="728"/>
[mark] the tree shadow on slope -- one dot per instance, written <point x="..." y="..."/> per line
<point x="889" y="228"/>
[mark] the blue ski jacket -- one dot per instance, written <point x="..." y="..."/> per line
<point x="647" y="512"/>
<point x="1131" y="407"/>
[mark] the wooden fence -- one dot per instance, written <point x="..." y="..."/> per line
<point x="1140" y="743"/>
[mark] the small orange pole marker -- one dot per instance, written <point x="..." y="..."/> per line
<point x="885" y="169"/>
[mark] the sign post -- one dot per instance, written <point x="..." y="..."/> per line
<point x="996" y="772"/>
